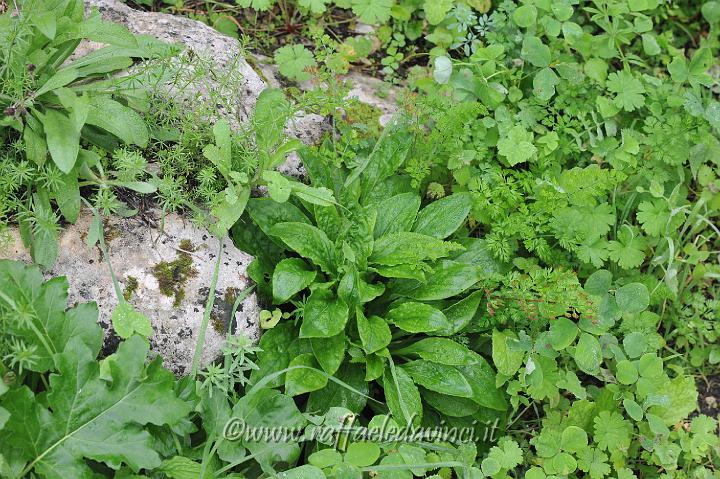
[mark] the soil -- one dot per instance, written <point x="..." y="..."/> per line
<point x="709" y="398"/>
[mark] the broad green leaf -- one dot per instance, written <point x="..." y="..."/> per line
<point x="291" y="276"/>
<point x="315" y="6"/>
<point x="127" y="321"/>
<point x="95" y="29"/>
<point x="588" y="354"/>
<point x="337" y="395"/>
<point x="272" y="112"/>
<point x="535" y="51"/>
<point x="63" y="139"/>
<point x="711" y="12"/>
<point x="293" y="62"/>
<point x="58" y="80"/>
<point x="90" y="417"/>
<point x="34" y="139"/>
<point x="635" y="344"/>
<point x="179" y="467"/>
<point x="306" y="378"/>
<point x="374" y="332"/>
<point x="628" y="90"/>
<point x="229" y="209"/>
<point x="324" y="315"/>
<point x="417" y="318"/>
<point x="275" y="354"/>
<point x="574" y="439"/>
<point x="517" y="147"/>
<point x="372" y="11"/>
<point x="329" y="352"/>
<point x="307" y="240"/>
<point x="626" y="373"/>
<point x="453" y="406"/>
<point x="544" y="84"/>
<point x="599" y="282"/>
<point x="266" y="213"/>
<point x="525" y="16"/>
<point x="402" y="396"/>
<point x="461" y="314"/>
<point x="409" y="248"/>
<point x="442" y="70"/>
<point x="325" y="458"/>
<point x="119" y="120"/>
<point x="435" y="10"/>
<point x="46" y="22"/>
<point x="362" y="454"/>
<point x="562" y="333"/>
<point x="439" y="378"/>
<point x="633" y="409"/>
<point x="304" y="472"/>
<point x="67" y="197"/>
<point x="507" y="359"/>
<point x="449" y="279"/>
<point x="441" y="351"/>
<point x="40" y="307"/>
<point x="268" y="408"/>
<point x="314" y="195"/>
<point x="481" y="377"/>
<point x="396" y="214"/>
<point x="632" y="298"/>
<point x="386" y="157"/>
<point x="443" y="217"/>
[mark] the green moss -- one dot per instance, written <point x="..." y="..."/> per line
<point x="110" y="231"/>
<point x="231" y="295"/>
<point x="172" y="275"/>
<point x="131" y="285"/>
<point x="186" y="245"/>
<point x="220" y="316"/>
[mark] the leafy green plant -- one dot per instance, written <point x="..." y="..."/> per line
<point x="628" y="414"/>
<point x="380" y="290"/>
<point x="56" y="106"/>
<point x="91" y="410"/>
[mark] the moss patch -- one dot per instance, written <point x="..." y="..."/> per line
<point x="110" y="231"/>
<point x="220" y="316"/>
<point x="131" y="285"/>
<point x="172" y="275"/>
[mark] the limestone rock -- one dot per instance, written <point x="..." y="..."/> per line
<point x="366" y="89"/>
<point x="232" y="79"/>
<point x="165" y="273"/>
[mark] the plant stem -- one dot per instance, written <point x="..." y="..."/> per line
<point x="206" y="316"/>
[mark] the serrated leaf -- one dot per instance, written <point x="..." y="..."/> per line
<point x="91" y="418"/>
<point x="293" y="61"/>
<point x="372" y="11"/>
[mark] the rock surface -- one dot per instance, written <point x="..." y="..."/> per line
<point x="165" y="274"/>
<point x="232" y="78"/>
<point x="366" y="89"/>
<point x="235" y="78"/>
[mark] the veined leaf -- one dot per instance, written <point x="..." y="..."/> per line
<point x="119" y="120"/>
<point x="402" y="396"/>
<point x="417" y="318"/>
<point x="409" y="248"/>
<point x="439" y="378"/>
<point x="396" y="214"/>
<point x="307" y="240"/>
<point x="63" y="139"/>
<point x="90" y="417"/>
<point x="443" y="217"/>
<point x="325" y="315"/>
